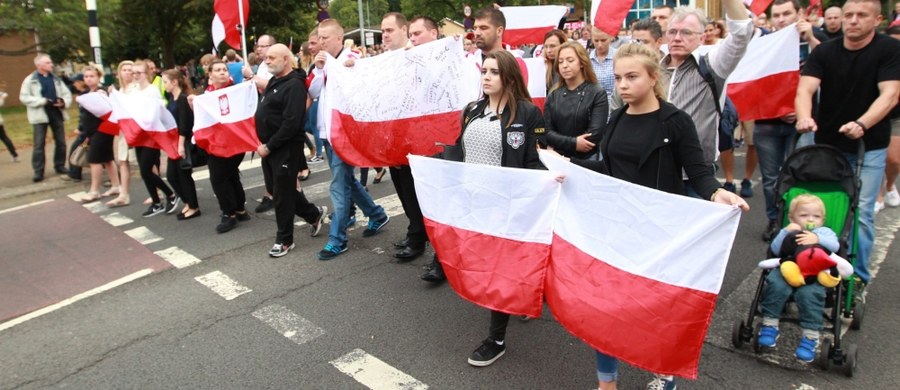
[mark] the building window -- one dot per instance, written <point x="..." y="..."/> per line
<point x="643" y="8"/>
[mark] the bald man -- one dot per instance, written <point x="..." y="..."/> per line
<point x="832" y="27"/>
<point x="279" y="126"/>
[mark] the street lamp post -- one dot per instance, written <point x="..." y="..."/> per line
<point x="94" y="30"/>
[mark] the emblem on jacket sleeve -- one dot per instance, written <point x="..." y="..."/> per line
<point x="515" y="139"/>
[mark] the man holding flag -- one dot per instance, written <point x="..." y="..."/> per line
<point x="279" y="125"/>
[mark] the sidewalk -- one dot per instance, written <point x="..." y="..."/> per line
<point x="15" y="178"/>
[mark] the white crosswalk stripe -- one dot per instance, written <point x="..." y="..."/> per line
<point x="374" y="373"/>
<point x="177" y="257"/>
<point x="143" y="235"/>
<point x="223" y="285"/>
<point x="116" y="219"/>
<point x="288" y="324"/>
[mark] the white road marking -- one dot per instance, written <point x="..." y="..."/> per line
<point x="76" y="298"/>
<point x="116" y="219"/>
<point x="96" y="207"/>
<point x="290" y="325"/>
<point x="177" y="257"/>
<point x="223" y="285"/>
<point x="77" y="196"/>
<point x="143" y="235"/>
<point x="392" y="207"/>
<point x="245" y="165"/>
<point x="17" y="208"/>
<point x="374" y="373"/>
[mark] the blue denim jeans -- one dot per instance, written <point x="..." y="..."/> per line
<point x="344" y="188"/>
<point x="810" y="300"/>
<point x="607" y="367"/>
<point x="872" y="173"/>
<point x="772" y="146"/>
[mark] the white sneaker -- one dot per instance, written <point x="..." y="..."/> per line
<point x="892" y="198"/>
<point x="879" y="206"/>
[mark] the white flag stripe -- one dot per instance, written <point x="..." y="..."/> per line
<point x="446" y="194"/>
<point x="533" y="16"/>
<point x="670" y="238"/>
<point x="218" y="31"/>
<point x="95" y="102"/>
<point x="239" y="103"/>
<point x="779" y="51"/>
<point x="537" y="80"/>
<point x="139" y="107"/>
<point x="375" y="373"/>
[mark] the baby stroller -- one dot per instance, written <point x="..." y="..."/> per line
<point x="821" y="170"/>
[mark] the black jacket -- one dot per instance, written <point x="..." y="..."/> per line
<point x="568" y="114"/>
<point x="676" y="148"/>
<point x="281" y="113"/>
<point x="517" y="152"/>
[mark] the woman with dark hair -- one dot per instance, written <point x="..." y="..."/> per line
<point x="224" y="172"/>
<point x="488" y="137"/>
<point x="179" y="167"/>
<point x="553" y="39"/>
<point x="100" y="152"/>
<point x="576" y="109"/>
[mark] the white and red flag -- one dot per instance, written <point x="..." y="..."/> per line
<point x="224" y="120"/>
<point x="398" y="103"/>
<point x="608" y="15"/>
<point x="764" y="84"/>
<point x="534" y="71"/>
<point x="491" y="227"/>
<point x="144" y="120"/>
<point x="758" y="7"/>
<point x="635" y="272"/>
<point x="226" y="20"/>
<point x="528" y="24"/>
<point x="97" y="103"/>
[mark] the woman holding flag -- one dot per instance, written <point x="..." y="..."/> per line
<point x="499" y="129"/>
<point x="125" y="78"/>
<point x="179" y="168"/>
<point x="100" y="152"/>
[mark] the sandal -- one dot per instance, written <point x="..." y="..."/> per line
<point x="119" y="201"/>
<point x="91" y="197"/>
<point x="379" y="176"/>
<point x="114" y="191"/>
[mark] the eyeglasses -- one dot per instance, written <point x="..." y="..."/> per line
<point x="686" y="33"/>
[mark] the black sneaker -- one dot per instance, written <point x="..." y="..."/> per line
<point x="746" y="188"/>
<point x="265" y="204"/>
<point x="243" y="217"/>
<point x="227" y="224"/>
<point x="280" y="250"/>
<point x="772" y="230"/>
<point x="729" y="187"/>
<point x="331" y="251"/>
<point x="487" y="353"/>
<point x="375" y="226"/>
<point x="172" y="204"/>
<point x="154" y="209"/>
<point x="315" y="228"/>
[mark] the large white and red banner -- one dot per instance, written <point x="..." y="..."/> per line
<point x="632" y="271"/>
<point x="764" y="84"/>
<point x="226" y="20"/>
<point x="144" y="120"/>
<point x="398" y="103"/>
<point x="97" y="103"/>
<point x="224" y="120"/>
<point x="608" y="15"/>
<point x="528" y="24"/>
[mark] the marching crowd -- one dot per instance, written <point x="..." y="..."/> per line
<point x="648" y="107"/>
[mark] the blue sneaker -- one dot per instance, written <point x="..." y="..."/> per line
<point x="768" y="336"/>
<point x="331" y="251"/>
<point x="746" y="188"/>
<point x="350" y="222"/>
<point x="375" y="226"/>
<point x="806" y="350"/>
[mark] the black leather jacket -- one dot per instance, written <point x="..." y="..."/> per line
<point x="570" y="113"/>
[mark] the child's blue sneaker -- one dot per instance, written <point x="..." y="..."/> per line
<point x="768" y="336"/>
<point x="806" y="351"/>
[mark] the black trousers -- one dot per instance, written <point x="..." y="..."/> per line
<point x="178" y="172"/>
<point x="499" y="321"/>
<point x="225" y="177"/>
<point x="406" y="191"/>
<point x="7" y="142"/>
<point x="283" y="165"/>
<point x="147" y="159"/>
<point x="55" y="118"/>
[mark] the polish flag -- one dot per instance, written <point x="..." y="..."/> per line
<point x="764" y="84"/>
<point x="534" y="70"/>
<point x="226" y="20"/>
<point x="491" y="227"/>
<point x="608" y="15"/>
<point x="398" y="103"/>
<point x="97" y="103"/>
<point x="635" y="272"/>
<point x="224" y="121"/>
<point x="528" y="24"/>
<point x="758" y="7"/>
<point x="145" y="121"/>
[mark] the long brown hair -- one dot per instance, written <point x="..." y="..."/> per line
<point x="562" y="38"/>
<point x="179" y="78"/>
<point x="514" y="89"/>
<point x="586" y="69"/>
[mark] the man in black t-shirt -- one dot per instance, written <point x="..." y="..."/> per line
<point x="859" y="78"/>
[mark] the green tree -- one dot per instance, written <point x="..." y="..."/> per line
<point x="347" y="12"/>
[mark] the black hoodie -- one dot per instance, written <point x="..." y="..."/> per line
<point x="282" y="111"/>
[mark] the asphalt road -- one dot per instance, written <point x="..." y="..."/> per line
<point x="233" y="318"/>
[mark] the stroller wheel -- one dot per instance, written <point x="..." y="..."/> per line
<point x="858" y="314"/>
<point x="825" y="355"/>
<point x="850" y="362"/>
<point x="737" y="329"/>
<point x="754" y="341"/>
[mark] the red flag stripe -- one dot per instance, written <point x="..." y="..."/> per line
<point x="634" y="318"/>
<point x="228" y="139"/>
<point x="166" y="141"/>
<point x="610" y="14"/>
<point x="510" y="283"/>
<point x="523" y="36"/>
<point x="379" y="144"/>
<point x="108" y="127"/>
<point x="765" y="98"/>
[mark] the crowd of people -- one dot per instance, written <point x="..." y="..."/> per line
<point x="645" y="107"/>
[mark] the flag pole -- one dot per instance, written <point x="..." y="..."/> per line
<point x="241" y="27"/>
